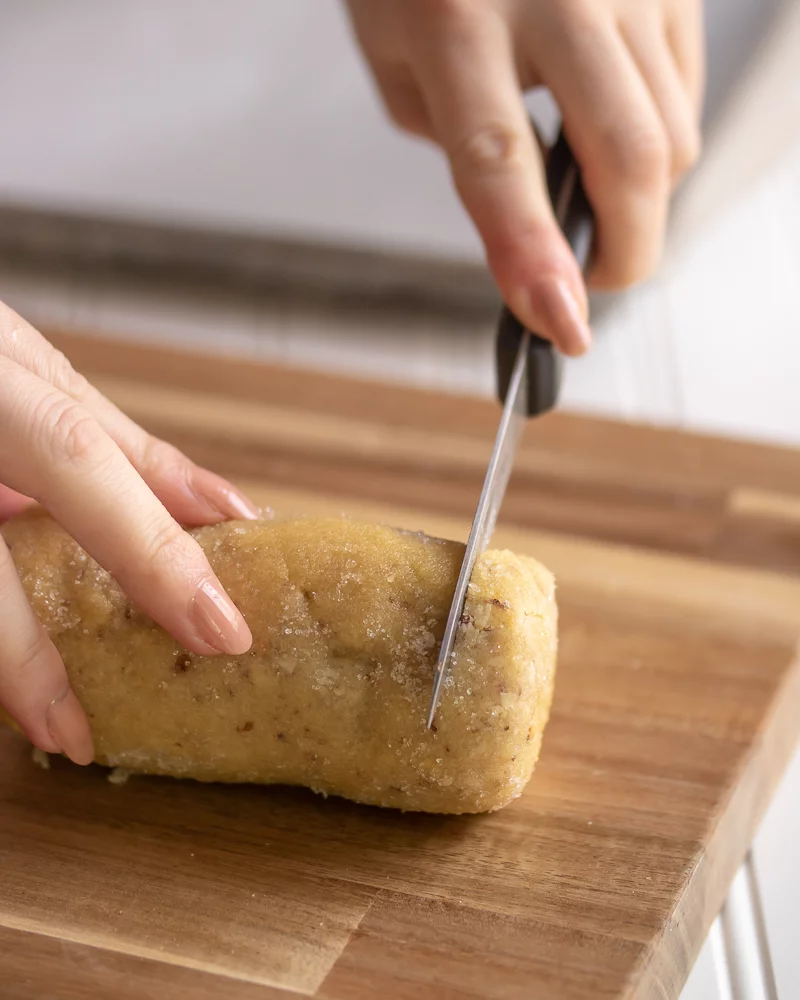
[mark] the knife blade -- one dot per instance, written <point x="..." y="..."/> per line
<point x="528" y="384"/>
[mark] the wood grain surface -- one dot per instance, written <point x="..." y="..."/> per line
<point x="677" y="707"/>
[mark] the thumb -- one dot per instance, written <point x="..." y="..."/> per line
<point x="11" y="503"/>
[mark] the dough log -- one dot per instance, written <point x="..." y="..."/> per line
<point x="346" y="619"/>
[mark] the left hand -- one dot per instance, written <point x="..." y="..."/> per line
<point x="122" y="495"/>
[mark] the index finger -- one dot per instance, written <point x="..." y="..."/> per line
<point x="54" y="451"/>
<point x="466" y="68"/>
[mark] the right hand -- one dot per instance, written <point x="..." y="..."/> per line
<point x="121" y="494"/>
<point x="628" y="78"/>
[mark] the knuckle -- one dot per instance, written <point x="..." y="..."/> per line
<point x="165" y="544"/>
<point x="491" y="148"/>
<point x="73" y="433"/>
<point x="641" y="157"/>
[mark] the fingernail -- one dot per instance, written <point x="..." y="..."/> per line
<point x="222" y="497"/>
<point x="229" y="501"/>
<point x="553" y="300"/>
<point x="69" y="728"/>
<point x="218" y="622"/>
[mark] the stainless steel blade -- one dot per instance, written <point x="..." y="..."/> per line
<point x="494" y="487"/>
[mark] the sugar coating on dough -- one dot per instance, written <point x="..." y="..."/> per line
<point x="346" y="620"/>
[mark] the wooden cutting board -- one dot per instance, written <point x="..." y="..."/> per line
<point x="677" y="707"/>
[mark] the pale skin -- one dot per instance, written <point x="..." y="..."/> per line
<point x="628" y="77"/>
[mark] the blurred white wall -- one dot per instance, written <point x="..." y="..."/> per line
<point x="255" y="114"/>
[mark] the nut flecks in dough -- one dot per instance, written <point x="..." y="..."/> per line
<point x="346" y="621"/>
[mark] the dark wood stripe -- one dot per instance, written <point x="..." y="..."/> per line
<point x="628" y="451"/>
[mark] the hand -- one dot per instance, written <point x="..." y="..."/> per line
<point x="627" y="76"/>
<point x="118" y="492"/>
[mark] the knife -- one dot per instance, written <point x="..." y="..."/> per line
<point x="528" y="383"/>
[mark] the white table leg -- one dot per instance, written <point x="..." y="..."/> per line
<point x="739" y="942"/>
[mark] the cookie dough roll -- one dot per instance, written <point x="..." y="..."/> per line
<point x="346" y="620"/>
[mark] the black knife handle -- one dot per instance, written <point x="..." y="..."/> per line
<point x="574" y="215"/>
